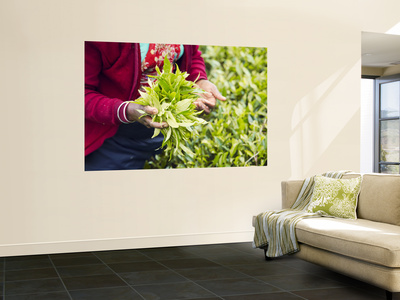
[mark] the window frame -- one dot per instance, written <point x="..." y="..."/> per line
<point x="378" y="119"/>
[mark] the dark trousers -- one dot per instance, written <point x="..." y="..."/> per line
<point x="128" y="149"/>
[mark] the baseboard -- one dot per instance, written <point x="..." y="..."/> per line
<point x="124" y="243"/>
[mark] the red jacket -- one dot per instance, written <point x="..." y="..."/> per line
<point x="112" y="75"/>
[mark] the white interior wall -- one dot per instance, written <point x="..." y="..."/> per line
<point x="49" y="204"/>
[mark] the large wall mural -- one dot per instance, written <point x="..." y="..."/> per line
<point x="158" y="106"/>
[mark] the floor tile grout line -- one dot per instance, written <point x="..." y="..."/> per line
<point x="338" y="281"/>
<point x="225" y="266"/>
<point x="333" y="288"/>
<point x="330" y="288"/>
<point x="264" y="293"/>
<point x="253" y="277"/>
<point x="209" y="258"/>
<point x="249" y="276"/>
<point x="59" y="276"/>
<point x="306" y="272"/>
<point x="220" y="297"/>
<point x="141" y="251"/>
<point x="100" y="288"/>
<point x="30" y="269"/>
<point x="281" y="289"/>
<point x="327" y="278"/>
<point x="45" y="278"/>
<point x="131" y="287"/>
<point x="300" y="297"/>
<point x="192" y="281"/>
<point x="245" y="253"/>
<point x="36" y="293"/>
<point x="157" y="261"/>
<point x="38" y="279"/>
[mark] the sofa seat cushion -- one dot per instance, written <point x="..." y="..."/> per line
<point x="362" y="239"/>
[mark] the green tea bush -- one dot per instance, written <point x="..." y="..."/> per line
<point x="236" y="132"/>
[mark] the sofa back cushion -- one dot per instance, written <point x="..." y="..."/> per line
<point x="379" y="198"/>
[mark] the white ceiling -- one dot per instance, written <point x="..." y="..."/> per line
<point x="380" y="50"/>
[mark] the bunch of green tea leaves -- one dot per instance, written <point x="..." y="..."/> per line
<point x="173" y="96"/>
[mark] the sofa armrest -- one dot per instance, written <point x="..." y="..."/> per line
<point x="290" y="191"/>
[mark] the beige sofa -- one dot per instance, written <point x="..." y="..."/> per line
<point x="368" y="248"/>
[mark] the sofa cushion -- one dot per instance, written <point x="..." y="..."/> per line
<point x="365" y="240"/>
<point x="379" y="198"/>
<point x="335" y="197"/>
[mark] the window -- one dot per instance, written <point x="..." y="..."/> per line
<point x="387" y="125"/>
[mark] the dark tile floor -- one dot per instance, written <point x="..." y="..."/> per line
<point x="207" y="272"/>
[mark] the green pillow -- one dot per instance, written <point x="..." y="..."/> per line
<point x="335" y="197"/>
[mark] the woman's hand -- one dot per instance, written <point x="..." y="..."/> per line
<point x="208" y="100"/>
<point x="133" y="114"/>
